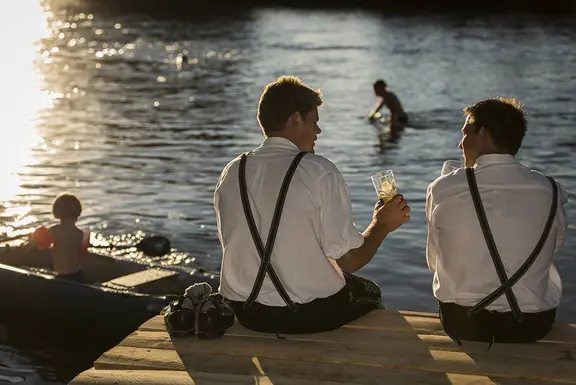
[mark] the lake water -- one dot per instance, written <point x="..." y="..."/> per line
<point x="93" y="103"/>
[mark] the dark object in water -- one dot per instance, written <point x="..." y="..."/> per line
<point x="155" y="246"/>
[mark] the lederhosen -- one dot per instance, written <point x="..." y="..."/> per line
<point x="478" y="324"/>
<point x="358" y="297"/>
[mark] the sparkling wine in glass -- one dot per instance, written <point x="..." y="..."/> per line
<point x="384" y="184"/>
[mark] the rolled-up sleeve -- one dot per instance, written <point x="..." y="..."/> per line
<point x="338" y="233"/>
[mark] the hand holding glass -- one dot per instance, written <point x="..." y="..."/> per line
<point x="451" y="165"/>
<point x="385" y="185"/>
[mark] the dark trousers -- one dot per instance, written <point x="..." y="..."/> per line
<point x="492" y="326"/>
<point x="358" y="297"/>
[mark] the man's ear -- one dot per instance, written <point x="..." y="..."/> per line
<point x="297" y="119"/>
<point x="483" y="133"/>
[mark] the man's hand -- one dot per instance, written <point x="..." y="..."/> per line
<point x="387" y="218"/>
<point x="393" y="214"/>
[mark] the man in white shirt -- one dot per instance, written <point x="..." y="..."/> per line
<point x="517" y="202"/>
<point x="317" y="246"/>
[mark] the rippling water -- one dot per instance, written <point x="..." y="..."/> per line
<point x="93" y="103"/>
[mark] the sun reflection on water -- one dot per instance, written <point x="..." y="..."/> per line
<point x="21" y="98"/>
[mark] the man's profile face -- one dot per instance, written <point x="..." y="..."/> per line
<point x="308" y="131"/>
<point x="471" y="142"/>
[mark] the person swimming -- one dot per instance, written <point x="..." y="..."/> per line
<point x="390" y="100"/>
<point x="181" y="61"/>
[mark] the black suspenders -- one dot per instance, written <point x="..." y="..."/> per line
<point x="266" y="252"/>
<point x="506" y="283"/>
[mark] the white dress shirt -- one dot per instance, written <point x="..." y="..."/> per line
<point x="517" y="203"/>
<point x="316" y="227"/>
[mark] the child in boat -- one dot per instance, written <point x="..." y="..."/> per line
<point x="67" y="240"/>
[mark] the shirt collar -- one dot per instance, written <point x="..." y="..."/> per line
<point x="277" y="141"/>
<point x="495" y="158"/>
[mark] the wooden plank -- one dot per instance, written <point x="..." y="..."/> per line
<point x="407" y="353"/>
<point x="141" y="277"/>
<point x="143" y="377"/>
<point x="376" y="320"/>
<point x="166" y="377"/>
<point x="123" y="357"/>
<point x="127" y="358"/>
<point x="540" y="350"/>
<point x="429" y="323"/>
<point x="401" y="322"/>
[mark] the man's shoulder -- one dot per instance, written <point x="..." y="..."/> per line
<point x="526" y="174"/>
<point x="313" y="163"/>
<point x="447" y="185"/>
<point x="544" y="180"/>
<point x="232" y="164"/>
<point x="320" y="162"/>
<point x="535" y="175"/>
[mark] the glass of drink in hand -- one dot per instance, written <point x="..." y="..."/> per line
<point x="451" y="165"/>
<point x="384" y="184"/>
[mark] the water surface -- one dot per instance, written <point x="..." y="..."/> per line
<point x="94" y="104"/>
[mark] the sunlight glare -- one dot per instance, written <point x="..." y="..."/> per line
<point x="261" y="379"/>
<point x="21" y="96"/>
<point x="456" y="378"/>
<point x="453" y="357"/>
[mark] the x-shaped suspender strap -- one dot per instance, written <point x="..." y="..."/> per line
<point x="266" y="252"/>
<point x="506" y="284"/>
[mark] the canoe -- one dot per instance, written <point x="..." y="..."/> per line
<point x="118" y="294"/>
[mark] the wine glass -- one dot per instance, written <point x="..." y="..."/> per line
<point x="451" y="165"/>
<point x="384" y="184"/>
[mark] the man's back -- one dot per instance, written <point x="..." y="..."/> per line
<point x="394" y="105"/>
<point x="517" y="203"/>
<point x="317" y="195"/>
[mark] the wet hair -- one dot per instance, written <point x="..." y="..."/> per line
<point x="283" y="97"/>
<point x="380" y="87"/>
<point x="380" y="84"/>
<point x="503" y="118"/>
<point x="66" y="206"/>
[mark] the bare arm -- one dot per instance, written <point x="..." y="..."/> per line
<point x="376" y="109"/>
<point x="387" y="218"/>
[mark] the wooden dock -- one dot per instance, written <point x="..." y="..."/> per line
<point x="383" y="347"/>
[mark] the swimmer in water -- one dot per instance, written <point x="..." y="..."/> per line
<point x="389" y="99"/>
<point x="181" y="61"/>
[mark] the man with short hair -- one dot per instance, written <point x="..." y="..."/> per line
<point x="517" y="203"/>
<point x="307" y="285"/>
